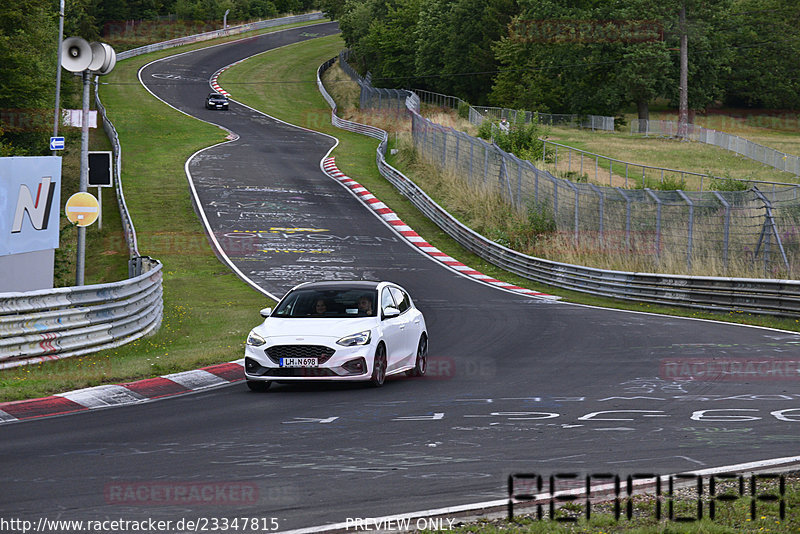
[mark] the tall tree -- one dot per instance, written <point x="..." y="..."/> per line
<point x="765" y="45"/>
<point x="28" y="35"/>
<point x="454" y="44"/>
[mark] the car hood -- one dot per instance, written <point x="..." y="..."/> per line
<point x="334" y="328"/>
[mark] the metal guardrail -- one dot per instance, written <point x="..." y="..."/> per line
<point x="761" y="296"/>
<point x="234" y="30"/>
<point x="39" y="326"/>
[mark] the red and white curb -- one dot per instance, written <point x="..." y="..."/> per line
<point x="329" y="165"/>
<point x="138" y="392"/>
<point x="214" y="81"/>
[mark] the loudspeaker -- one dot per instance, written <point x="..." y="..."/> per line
<point x="76" y="54"/>
<point x="98" y="56"/>
<point x="111" y="60"/>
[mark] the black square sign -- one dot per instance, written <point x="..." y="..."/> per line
<point x="100" y="169"/>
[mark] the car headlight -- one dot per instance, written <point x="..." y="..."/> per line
<point x="255" y="340"/>
<point x="362" y="338"/>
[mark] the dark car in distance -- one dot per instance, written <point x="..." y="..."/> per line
<point x="216" y="101"/>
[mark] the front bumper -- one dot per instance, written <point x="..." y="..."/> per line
<point x="345" y="363"/>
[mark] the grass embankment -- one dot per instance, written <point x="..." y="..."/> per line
<point x="207" y="309"/>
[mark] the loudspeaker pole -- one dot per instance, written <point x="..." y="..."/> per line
<point x="58" y="73"/>
<point x="84" y="181"/>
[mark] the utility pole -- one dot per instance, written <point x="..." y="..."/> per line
<point x="683" y="111"/>
<point x="57" y="116"/>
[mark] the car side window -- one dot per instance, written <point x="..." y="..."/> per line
<point x="386" y="299"/>
<point x="401" y="299"/>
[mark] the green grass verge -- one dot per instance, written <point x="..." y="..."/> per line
<point x="207" y="309"/>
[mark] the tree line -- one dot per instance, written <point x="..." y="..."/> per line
<point x="29" y="43"/>
<point x="579" y="56"/>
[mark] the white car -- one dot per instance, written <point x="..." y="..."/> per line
<point x="359" y="331"/>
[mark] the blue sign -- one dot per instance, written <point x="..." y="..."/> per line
<point x="56" y="143"/>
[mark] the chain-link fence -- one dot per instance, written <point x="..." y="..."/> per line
<point x="666" y="229"/>
<point x="742" y="232"/>
<point x="763" y="154"/>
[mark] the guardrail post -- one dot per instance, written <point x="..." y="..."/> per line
<point x="691" y="228"/>
<point x="726" y="231"/>
<point x="658" y="221"/>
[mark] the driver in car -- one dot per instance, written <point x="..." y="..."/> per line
<point x="364" y="305"/>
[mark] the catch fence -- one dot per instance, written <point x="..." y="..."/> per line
<point x="754" y="231"/>
<point x="763" y="296"/>
<point x="744" y="147"/>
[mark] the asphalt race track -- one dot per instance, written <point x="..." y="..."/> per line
<point x="516" y="384"/>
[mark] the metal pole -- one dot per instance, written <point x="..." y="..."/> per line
<point x="726" y="235"/>
<point x="84" y="177"/>
<point x="658" y="222"/>
<point x="57" y="114"/>
<point x="691" y="228"/>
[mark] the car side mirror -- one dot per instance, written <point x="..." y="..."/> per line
<point x="389" y="312"/>
<point x="266" y="312"/>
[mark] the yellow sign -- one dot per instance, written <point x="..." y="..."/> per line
<point x="82" y="209"/>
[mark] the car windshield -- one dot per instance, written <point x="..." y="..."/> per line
<point x="217" y="97"/>
<point x="335" y="303"/>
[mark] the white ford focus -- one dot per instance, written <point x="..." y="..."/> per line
<point x="360" y="331"/>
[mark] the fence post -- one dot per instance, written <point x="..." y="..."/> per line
<point x="444" y="149"/>
<point x="577" y="209"/>
<point x="471" y="156"/>
<point x="726" y="231"/>
<point x="769" y="224"/>
<point x="627" y="218"/>
<point x="691" y="228"/>
<point x="658" y="221"/>
<point x="596" y="165"/>
<point x="601" y="211"/>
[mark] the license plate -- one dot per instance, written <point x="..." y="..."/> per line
<point x="299" y="362"/>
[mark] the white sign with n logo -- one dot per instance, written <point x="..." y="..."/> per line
<point x="30" y="195"/>
<point x="38" y="210"/>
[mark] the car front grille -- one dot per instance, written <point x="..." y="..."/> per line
<point x="321" y="352"/>
<point x="306" y="372"/>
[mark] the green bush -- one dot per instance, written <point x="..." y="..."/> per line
<point x="463" y="110"/>
<point x="729" y="184"/>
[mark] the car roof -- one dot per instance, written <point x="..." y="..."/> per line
<point x="333" y="284"/>
<point x="216" y="94"/>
